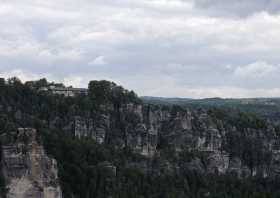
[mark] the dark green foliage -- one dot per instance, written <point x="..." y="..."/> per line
<point x="267" y="108"/>
<point x="240" y="119"/>
<point x="104" y="92"/>
<point x="246" y="141"/>
<point x="91" y="170"/>
<point x="37" y="84"/>
<point x="2" y="179"/>
<point x="2" y="82"/>
<point x="100" y="91"/>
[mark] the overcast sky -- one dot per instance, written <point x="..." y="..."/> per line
<point x="174" y="48"/>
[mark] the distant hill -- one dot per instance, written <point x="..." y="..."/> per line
<point x="265" y="107"/>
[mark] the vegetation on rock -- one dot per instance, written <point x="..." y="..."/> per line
<point x="115" y="168"/>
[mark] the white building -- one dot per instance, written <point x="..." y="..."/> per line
<point x="68" y="91"/>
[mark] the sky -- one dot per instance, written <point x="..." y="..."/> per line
<point x="170" y="48"/>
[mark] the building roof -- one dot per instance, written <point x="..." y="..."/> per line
<point x="69" y="89"/>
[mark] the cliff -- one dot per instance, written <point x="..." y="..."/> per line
<point x="110" y="144"/>
<point x="28" y="171"/>
<point x="216" y="145"/>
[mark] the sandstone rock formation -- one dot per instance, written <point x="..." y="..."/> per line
<point x="28" y="171"/>
<point x="146" y="129"/>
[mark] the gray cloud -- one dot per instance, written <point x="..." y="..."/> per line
<point x="156" y="47"/>
<point x="240" y="8"/>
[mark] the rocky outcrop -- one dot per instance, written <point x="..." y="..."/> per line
<point x="149" y="130"/>
<point x="28" y="171"/>
<point x="88" y="127"/>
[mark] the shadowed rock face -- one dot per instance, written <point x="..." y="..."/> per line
<point x="28" y="171"/>
<point x="148" y="130"/>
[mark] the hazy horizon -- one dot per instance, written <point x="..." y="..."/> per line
<point x="169" y="48"/>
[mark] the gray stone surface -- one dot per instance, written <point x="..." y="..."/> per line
<point x="29" y="172"/>
<point x="182" y="130"/>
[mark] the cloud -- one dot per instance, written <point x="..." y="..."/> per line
<point x="238" y="8"/>
<point x="157" y="47"/>
<point x="22" y="75"/>
<point x="172" y="88"/>
<point x="256" y="70"/>
<point x="100" y="60"/>
<point x="75" y="81"/>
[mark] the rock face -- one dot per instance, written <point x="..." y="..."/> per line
<point x="87" y="128"/>
<point x="223" y="148"/>
<point x="28" y="171"/>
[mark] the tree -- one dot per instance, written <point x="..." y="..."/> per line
<point x="14" y="81"/>
<point x="100" y="91"/>
<point x="2" y="82"/>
